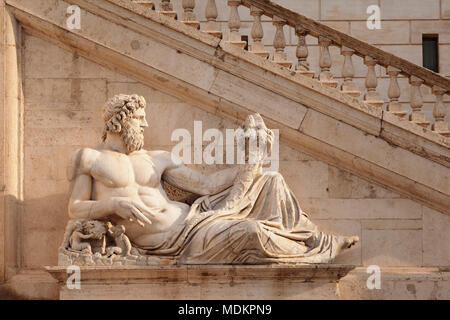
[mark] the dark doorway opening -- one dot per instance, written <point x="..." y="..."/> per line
<point x="430" y="51"/>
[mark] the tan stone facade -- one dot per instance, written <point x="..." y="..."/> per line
<point x="55" y="109"/>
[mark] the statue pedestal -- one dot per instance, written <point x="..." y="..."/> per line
<point x="222" y="282"/>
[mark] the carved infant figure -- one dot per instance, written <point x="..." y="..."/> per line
<point x="76" y="237"/>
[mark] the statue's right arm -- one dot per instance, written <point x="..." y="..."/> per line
<point x="81" y="206"/>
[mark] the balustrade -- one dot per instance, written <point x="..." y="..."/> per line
<point x="212" y="26"/>
<point x="166" y="9"/>
<point x="349" y="47"/>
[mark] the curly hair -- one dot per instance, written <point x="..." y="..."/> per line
<point x="118" y="109"/>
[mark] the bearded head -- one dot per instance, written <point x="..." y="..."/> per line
<point x="121" y="117"/>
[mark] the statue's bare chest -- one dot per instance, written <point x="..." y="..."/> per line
<point x="116" y="170"/>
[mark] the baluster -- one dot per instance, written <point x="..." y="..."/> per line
<point x="166" y="9"/>
<point x="279" y="43"/>
<point x="325" y="75"/>
<point x="212" y="26"/>
<point x="302" y="66"/>
<point x="417" y="116"/>
<point x="440" y="125"/>
<point x="146" y="3"/>
<point x="394" y="106"/>
<point x="372" y="97"/>
<point x="348" y="72"/>
<point x="234" y="23"/>
<point x="188" y="16"/>
<point x="257" y="47"/>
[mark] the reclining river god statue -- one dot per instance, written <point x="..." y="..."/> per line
<point x="121" y="214"/>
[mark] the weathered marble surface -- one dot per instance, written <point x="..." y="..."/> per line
<point x="244" y="215"/>
<point x="205" y="282"/>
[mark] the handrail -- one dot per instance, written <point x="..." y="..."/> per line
<point x="361" y="48"/>
<point x="372" y="56"/>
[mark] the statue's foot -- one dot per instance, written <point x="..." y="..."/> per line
<point x="350" y="241"/>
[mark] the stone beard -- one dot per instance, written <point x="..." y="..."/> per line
<point x="132" y="137"/>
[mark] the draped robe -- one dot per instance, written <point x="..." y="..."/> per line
<point x="265" y="226"/>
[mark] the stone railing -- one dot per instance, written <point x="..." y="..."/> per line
<point x="327" y="37"/>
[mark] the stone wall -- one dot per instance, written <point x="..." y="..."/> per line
<point x="64" y="94"/>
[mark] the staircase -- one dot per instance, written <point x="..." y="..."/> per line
<point x="335" y="122"/>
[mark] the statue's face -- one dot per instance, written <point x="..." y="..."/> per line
<point x="133" y="130"/>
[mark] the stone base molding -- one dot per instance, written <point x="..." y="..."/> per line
<point x="204" y="282"/>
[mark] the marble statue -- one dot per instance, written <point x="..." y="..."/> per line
<point x="243" y="215"/>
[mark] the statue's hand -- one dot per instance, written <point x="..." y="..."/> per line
<point x="132" y="210"/>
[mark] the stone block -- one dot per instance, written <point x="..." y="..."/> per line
<point x="391" y="32"/>
<point x="361" y="208"/>
<point x="409" y="9"/>
<point x="445" y="9"/>
<point x="38" y="189"/>
<point x="62" y="136"/>
<point x="43" y="59"/>
<point x="392" y="224"/>
<point x="441" y="27"/>
<point x="289" y="154"/>
<point x="375" y="150"/>
<point x="392" y="247"/>
<point x="261" y="100"/>
<point x="436" y="238"/>
<point x="48" y="213"/>
<point x="63" y="119"/>
<point x="341" y="10"/>
<point x="307" y="179"/>
<point x="308" y="8"/>
<point x="65" y="94"/>
<point x="408" y="283"/>
<point x="412" y="53"/>
<point x="444" y="59"/>
<point x="152" y="96"/>
<point x="344" y="185"/>
<point x="41" y="247"/>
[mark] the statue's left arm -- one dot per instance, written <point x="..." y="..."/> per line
<point x="180" y="176"/>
